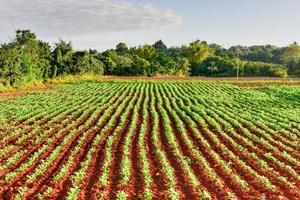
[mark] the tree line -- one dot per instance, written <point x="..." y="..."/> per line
<point x="26" y="58"/>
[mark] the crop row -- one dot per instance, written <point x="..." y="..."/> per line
<point x="151" y="140"/>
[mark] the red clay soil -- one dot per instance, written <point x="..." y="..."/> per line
<point x="61" y="137"/>
<point x="289" y="192"/>
<point x="40" y="121"/>
<point x="289" y="140"/>
<point x="21" y="178"/>
<point x="90" y="188"/>
<point x="115" y="173"/>
<point x="59" y="162"/>
<point x="135" y="188"/>
<point x="278" y="138"/>
<point x="45" y="154"/>
<point x="282" y="138"/>
<point x="23" y="92"/>
<point x="285" y="139"/>
<point x="231" y="183"/>
<point x="281" y="148"/>
<point x="260" y="153"/>
<point x="159" y="184"/>
<point x="95" y="170"/>
<point x="295" y="152"/>
<point x="242" y="172"/>
<point x="265" y="148"/>
<point x="32" y="149"/>
<point x="137" y="180"/>
<point x="24" y="144"/>
<point x="61" y="189"/>
<point x="46" y="183"/>
<point x="183" y="183"/>
<point x="14" y="138"/>
<point x="197" y="169"/>
<point x="65" y="182"/>
<point x="29" y="141"/>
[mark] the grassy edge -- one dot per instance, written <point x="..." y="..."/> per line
<point x="73" y="79"/>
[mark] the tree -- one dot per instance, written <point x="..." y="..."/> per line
<point x="25" y="37"/>
<point x="121" y="48"/>
<point x="182" y="66"/>
<point x="10" y="65"/>
<point x="290" y="56"/>
<point x="237" y="51"/>
<point x="124" y="64"/>
<point x="25" y="58"/>
<point x="61" y="58"/>
<point x="140" y="66"/>
<point x="35" y="55"/>
<point x="160" y="46"/>
<point x="108" y="59"/>
<point x="216" y="66"/>
<point x="87" y="62"/>
<point x="147" y="52"/>
<point x="251" y="68"/>
<point x="217" y="49"/>
<point x="196" y="53"/>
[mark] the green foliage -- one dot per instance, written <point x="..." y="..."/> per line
<point x="26" y="59"/>
<point x="215" y="66"/>
<point x="263" y="53"/>
<point x="291" y="57"/>
<point x="87" y="62"/>
<point x="122" y="48"/>
<point x="264" y="69"/>
<point x="176" y="125"/>
<point x="225" y="66"/>
<point x="196" y="53"/>
<point x="61" y="58"/>
<point x="160" y="46"/>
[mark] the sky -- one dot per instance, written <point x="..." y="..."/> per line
<point x="102" y="24"/>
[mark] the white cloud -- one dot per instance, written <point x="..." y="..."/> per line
<point x="77" y="17"/>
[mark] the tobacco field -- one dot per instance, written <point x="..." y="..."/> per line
<point x="151" y="140"/>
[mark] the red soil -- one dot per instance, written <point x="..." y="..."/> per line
<point x="159" y="182"/>
<point x="216" y="139"/>
<point x="184" y="184"/>
<point x="115" y="173"/>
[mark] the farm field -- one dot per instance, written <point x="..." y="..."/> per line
<point x="151" y="140"/>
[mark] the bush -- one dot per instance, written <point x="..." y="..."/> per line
<point x="215" y="66"/>
<point x="264" y="69"/>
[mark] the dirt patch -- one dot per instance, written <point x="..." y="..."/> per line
<point x="23" y="92"/>
<point x="199" y="78"/>
<point x="257" y="84"/>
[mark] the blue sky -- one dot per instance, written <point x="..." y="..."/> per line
<point x="101" y="24"/>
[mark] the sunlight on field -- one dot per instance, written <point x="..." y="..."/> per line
<point x="141" y="139"/>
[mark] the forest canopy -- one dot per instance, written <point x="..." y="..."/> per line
<point x="26" y="58"/>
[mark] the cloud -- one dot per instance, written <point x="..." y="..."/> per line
<point x="75" y="17"/>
